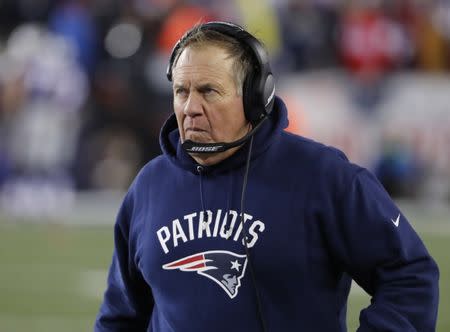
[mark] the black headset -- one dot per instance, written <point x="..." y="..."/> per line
<point x="259" y="85"/>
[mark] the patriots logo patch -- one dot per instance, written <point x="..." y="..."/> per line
<point x="225" y="268"/>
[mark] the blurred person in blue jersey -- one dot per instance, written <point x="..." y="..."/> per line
<point x="46" y="91"/>
<point x="73" y="20"/>
<point x="242" y="226"/>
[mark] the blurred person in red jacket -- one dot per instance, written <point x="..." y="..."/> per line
<point x="371" y="46"/>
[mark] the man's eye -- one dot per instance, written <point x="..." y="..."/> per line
<point x="208" y="91"/>
<point x="180" y="91"/>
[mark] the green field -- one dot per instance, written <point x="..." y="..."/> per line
<point x="52" y="276"/>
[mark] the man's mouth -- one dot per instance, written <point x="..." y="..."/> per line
<point x="195" y="129"/>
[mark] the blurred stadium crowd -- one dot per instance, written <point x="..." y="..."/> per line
<point x="83" y="91"/>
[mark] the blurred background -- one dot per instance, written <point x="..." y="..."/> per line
<point x="83" y="94"/>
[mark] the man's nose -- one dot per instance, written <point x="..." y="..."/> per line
<point x="193" y="106"/>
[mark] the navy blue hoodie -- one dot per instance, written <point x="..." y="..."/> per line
<point x="313" y="221"/>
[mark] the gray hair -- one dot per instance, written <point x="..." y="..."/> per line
<point x="198" y="38"/>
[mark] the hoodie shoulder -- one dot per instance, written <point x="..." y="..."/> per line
<point x="317" y="159"/>
<point x="155" y="165"/>
<point x="308" y="149"/>
<point x="150" y="172"/>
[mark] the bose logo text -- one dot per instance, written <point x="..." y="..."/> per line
<point x="205" y="148"/>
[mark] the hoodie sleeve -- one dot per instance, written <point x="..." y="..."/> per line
<point x="128" y="301"/>
<point x="373" y="242"/>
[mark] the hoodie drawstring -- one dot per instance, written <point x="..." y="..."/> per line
<point x="200" y="171"/>
<point x="247" y="250"/>
<point x="202" y="201"/>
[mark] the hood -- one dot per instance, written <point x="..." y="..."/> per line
<point x="170" y="142"/>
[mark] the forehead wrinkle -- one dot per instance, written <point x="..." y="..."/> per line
<point x="201" y="75"/>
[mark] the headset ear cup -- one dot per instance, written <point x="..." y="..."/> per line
<point x="268" y="94"/>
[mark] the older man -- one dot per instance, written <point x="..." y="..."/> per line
<point x="241" y="226"/>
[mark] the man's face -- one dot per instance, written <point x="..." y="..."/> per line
<point x="207" y="105"/>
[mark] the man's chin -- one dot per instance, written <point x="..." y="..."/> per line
<point x="198" y="139"/>
<point x="197" y="134"/>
